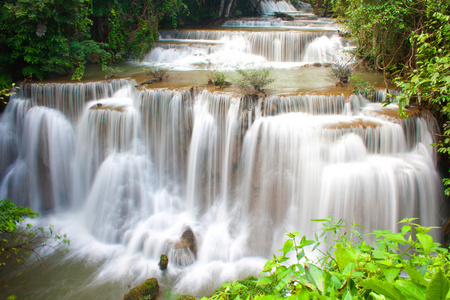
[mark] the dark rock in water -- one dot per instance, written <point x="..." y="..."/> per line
<point x="183" y="252"/>
<point x="163" y="262"/>
<point x="188" y="241"/>
<point x="148" y="290"/>
<point x="283" y="16"/>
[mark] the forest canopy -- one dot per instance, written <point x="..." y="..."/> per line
<point x="41" y="37"/>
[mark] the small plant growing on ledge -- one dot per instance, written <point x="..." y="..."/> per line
<point x="217" y="78"/>
<point x="340" y="73"/>
<point x="157" y="72"/>
<point x="253" y="80"/>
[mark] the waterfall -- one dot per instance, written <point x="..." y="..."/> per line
<point x="214" y="180"/>
<point x="69" y="98"/>
<point x="41" y="174"/>
<point x="269" y="7"/>
<point x="188" y="48"/>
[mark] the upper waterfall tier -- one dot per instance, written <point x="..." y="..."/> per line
<point x="226" y="48"/>
<point x="267" y="7"/>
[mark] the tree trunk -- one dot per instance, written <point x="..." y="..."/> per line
<point x="222" y="5"/>
<point x="227" y="13"/>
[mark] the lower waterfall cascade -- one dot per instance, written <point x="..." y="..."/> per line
<point x="128" y="172"/>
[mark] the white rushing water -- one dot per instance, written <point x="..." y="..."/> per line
<point x="288" y="44"/>
<point x="125" y="173"/>
<point x="139" y="168"/>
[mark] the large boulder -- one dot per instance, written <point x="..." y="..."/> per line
<point x="188" y="241"/>
<point x="148" y="291"/>
<point x="184" y="251"/>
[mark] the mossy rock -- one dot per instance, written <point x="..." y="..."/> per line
<point x="163" y="262"/>
<point x="187" y="297"/>
<point x="146" y="291"/>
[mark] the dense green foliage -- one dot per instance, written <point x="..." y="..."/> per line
<point x="387" y="32"/>
<point x="403" y="265"/>
<point x="43" y="37"/>
<point x="18" y="240"/>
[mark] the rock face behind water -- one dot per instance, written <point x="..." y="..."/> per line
<point x="148" y="291"/>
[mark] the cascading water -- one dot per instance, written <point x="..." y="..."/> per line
<point x="213" y="180"/>
<point x="288" y="44"/>
<point x="269" y="7"/>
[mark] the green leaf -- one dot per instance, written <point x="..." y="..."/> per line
<point x="282" y="283"/>
<point x="264" y="280"/>
<point x="382" y="287"/>
<point x="415" y="275"/>
<point x="344" y="256"/>
<point x="348" y="296"/>
<point x="377" y="297"/>
<point x="303" y="294"/>
<point x="390" y="274"/>
<point x="410" y="289"/>
<point x="438" y="287"/>
<point x="316" y="276"/>
<point x="426" y="241"/>
<point x="287" y="246"/>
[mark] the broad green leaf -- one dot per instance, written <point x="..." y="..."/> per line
<point x="415" y="275"/>
<point x="380" y="254"/>
<point x="438" y="287"/>
<point x="316" y="276"/>
<point x="426" y="241"/>
<point x="390" y="274"/>
<point x="410" y="289"/>
<point x="282" y="283"/>
<point x="357" y="275"/>
<point x="336" y="282"/>
<point x="287" y="246"/>
<point x="382" y="287"/>
<point x="345" y="256"/>
<point x="264" y="280"/>
<point x="320" y="297"/>
<point x="303" y="294"/>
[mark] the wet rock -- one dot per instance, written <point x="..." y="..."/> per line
<point x="148" y="290"/>
<point x="188" y="241"/>
<point x="163" y="262"/>
<point x="283" y="16"/>
<point x="184" y="251"/>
